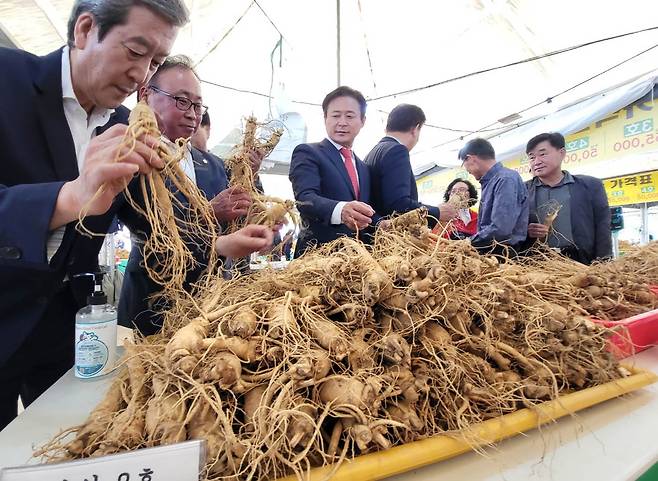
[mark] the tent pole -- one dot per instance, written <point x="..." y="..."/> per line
<point x="338" y="43"/>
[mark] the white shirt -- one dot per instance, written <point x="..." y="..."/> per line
<point x="83" y="129"/>
<point x="186" y="163"/>
<point x="338" y="210"/>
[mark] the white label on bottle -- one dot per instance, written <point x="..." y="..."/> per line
<point x="175" y="462"/>
<point x="95" y="346"/>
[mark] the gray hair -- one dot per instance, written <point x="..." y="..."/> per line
<point x="174" y="61"/>
<point x="110" y="13"/>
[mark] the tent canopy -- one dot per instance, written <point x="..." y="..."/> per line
<point x="277" y="59"/>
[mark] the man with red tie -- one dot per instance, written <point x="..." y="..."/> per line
<point x="331" y="184"/>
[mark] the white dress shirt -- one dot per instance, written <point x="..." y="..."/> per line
<point x="338" y="210"/>
<point x="83" y="129"/>
<point x="186" y="163"/>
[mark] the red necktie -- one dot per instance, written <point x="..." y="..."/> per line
<point x="351" y="171"/>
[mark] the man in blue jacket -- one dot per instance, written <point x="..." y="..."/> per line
<point x="393" y="183"/>
<point x="581" y="229"/>
<point x="503" y="212"/>
<point x="331" y="184"/>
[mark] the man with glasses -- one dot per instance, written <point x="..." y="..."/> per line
<point x="174" y="94"/>
<point x="503" y="213"/>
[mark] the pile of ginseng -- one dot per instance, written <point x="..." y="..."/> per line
<point x="609" y="291"/>
<point x="351" y="349"/>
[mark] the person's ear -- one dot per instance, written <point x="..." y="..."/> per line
<point x="83" y="30"/>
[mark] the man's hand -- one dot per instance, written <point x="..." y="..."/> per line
<point x="385" y="224"/>
<point x="255" y="160"/>
<point x="537" y="231"/>
<point x="100" y="168"/>
<point x="230" y="204"/>
<point x="356" y="215"/>
<point x="447" y="212"/>
<point x="251" y="238"/>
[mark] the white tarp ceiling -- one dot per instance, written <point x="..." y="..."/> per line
<point x="287" y="49"/>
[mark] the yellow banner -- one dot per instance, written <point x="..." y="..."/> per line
<point x="631" y="130"/>
<point x="632" y="189"/>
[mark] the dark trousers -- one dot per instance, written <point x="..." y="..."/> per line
<point x="45" y="356"/>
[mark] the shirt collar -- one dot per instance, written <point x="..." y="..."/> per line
<point x="492" y="171"/>
<point x="338" y="146"/>
<point x="67" y="85"/>
<point x="394" y="138"/>
<point x="567" y="179"/>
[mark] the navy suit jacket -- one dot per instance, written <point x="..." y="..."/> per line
<point x="319" y="181"/>
<point x="37" y="156"/>
<point x="590" y="217"/>
<point x="393" y="182"/>
<point x="134" y="305"/>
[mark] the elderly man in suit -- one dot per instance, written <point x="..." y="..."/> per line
<point x="393" y="183"/>
<point x="54" y="161"/>
<point x="581" y="229"/>
<point x="174" y="94"/>
<point x="331" y="184"/>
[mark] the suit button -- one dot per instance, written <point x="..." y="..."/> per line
<point x="11" y="253"/>
<point x="72" y="260"/>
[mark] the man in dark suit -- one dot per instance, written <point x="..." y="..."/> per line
<point x="393" y="183"/>
<point x="330" y="183"/>
<point x="174" y="94"/>
<point x="53" y="164"/>
<point x="581" y="229"/>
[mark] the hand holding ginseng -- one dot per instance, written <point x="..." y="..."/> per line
<point x="231" y="203"/>
<point x="356" y="215"/>
<point x="110" y="164"/>
<point x="251" y="238"/>
<point x="537" y="231"/>
<point x="255" y="160"/>
<point x="447" y="212"/>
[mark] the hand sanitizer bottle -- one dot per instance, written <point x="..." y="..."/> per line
<point x="95" y="334"/>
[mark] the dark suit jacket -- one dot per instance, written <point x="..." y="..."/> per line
<point x="393" y="182"/>
<point x="319" y="181"/>
<point x="590" y="217"/>
<point x="134" y="306"/>
<point x="37" y="155"/>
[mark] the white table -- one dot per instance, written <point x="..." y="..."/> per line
<point x="615" y="440"/>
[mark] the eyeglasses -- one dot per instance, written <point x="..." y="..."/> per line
<point x="183" y="103"/>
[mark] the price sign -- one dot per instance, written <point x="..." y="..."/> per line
<point x="632" y="189"/>
<point x="176" y="462"/>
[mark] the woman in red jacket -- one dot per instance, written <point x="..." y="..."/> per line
<point x="465" y="224"/>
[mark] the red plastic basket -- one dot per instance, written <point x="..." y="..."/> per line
<point x="634" y="334"/>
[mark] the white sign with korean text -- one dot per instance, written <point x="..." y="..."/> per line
<point x="176" y="462"/>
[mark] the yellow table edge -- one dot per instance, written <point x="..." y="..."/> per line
<point x="399" y="459"/>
